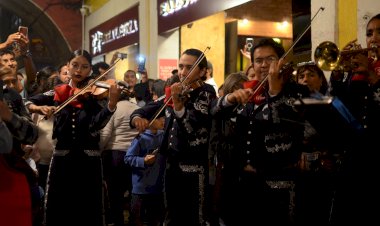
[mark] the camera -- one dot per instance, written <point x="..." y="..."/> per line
<point x="23" y="30"/>
<point x="248" y="44"/>
<point x="141" y="65"/>
<point x="122" y="56"/>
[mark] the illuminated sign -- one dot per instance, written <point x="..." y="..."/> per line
<point x="171" y="6"/>
<point x="175" y="13"/>
<point x="120" y="31"/>
<point x="100" y="38"/>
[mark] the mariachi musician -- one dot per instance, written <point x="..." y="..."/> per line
<point x="359" y="89"/>
<point x="270" y="140"/>
<point x="187" y="127"/>
<point x="74" y="193"/>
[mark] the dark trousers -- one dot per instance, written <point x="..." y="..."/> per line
<point x="186" y="196"/>
<point x="117" y="176"/>
<point x="147" y="209"/>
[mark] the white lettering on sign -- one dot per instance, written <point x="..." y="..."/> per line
<point x="96" y="44"/>
<point x="171" y="6"/>
<point x="101" y="38"/>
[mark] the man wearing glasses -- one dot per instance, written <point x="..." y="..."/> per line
<point x="270" y="146"/>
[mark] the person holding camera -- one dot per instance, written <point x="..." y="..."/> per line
<point x="17" y="45"/>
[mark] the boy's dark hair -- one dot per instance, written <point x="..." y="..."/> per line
<point x="158" y="87"/>
<point x="175" y="71"/>
<point x="314" y="68"/>
<point x="170" y="81"/>
<point x="97" y="66"/>
<point x="60" y="66"/>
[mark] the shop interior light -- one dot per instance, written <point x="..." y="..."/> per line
<point x="277" y="40"/>
<point x="283" y="25"/>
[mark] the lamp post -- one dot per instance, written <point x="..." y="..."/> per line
<point x="84" y="10"/>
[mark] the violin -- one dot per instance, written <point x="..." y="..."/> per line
<point x="260" y="87"/>
<point x="100" y="88"/>
<point x="188" y="88"/>
<point x="65" y="94"/>
<point x="257" y="97"/>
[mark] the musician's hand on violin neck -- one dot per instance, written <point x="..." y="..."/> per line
<point x="176" y="92"/>
<point x="114" y="95"/>
<point x="275" y="77"/>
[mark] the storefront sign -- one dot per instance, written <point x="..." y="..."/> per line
<point x="122" y="30"/>
<point x="165" y="67"/>
<point x="174" y="13"/>
<point x="171" y="6"/>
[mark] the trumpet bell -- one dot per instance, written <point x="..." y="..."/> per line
<point x="327" y="56"/>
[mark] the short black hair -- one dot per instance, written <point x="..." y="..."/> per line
<point x="278" y="48"/>
<point x="7" y="51"/>
<point x="197" y="53"/>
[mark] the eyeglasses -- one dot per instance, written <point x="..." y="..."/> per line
<point x="268" y="60"/>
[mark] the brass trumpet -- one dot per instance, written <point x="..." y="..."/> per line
<point x="328" y="57"/>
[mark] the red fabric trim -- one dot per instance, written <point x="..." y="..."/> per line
<point x="64" y="92"/>
<point x="167" y="96"/>
<point x="359" y="77"/>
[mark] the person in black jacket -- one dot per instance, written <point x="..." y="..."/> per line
<point x="74" y="193"/>
<point x="185" y="144"/>
<point x="359" y="90"/>
<point x="270" y="141"/>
